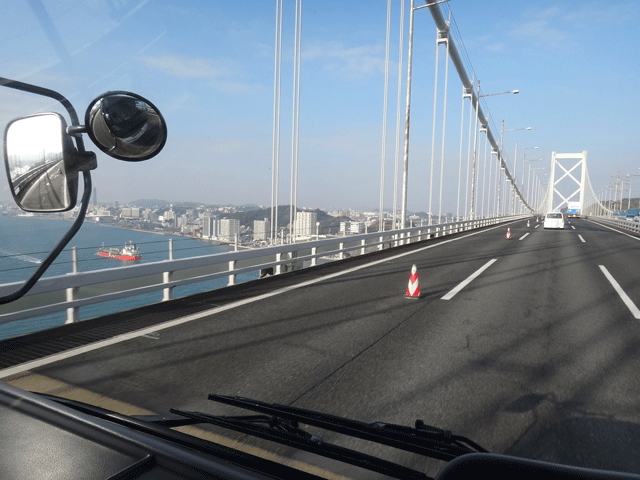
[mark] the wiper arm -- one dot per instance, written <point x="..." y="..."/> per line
<point x="423" y="439"/>
<point x="287" y="432"/>
<point x="279" y="423"/>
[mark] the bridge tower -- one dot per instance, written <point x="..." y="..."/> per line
<point x="580" y="163"/>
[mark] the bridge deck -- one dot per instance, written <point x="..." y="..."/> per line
<point x="536" y="356"/>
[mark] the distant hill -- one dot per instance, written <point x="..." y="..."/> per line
<point x="150" y="203"/>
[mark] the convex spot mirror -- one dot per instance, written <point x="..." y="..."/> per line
<point x="126" y="126"/>
<point x="39" y="158"/>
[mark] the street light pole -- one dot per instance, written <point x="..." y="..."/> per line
<point x="475" y="146"/>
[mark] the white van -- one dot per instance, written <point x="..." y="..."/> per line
<point x="554" y="220"/>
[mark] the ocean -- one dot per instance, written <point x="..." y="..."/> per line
<point x="25" y="242"/>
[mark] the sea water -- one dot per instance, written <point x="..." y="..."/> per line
<point x="26" y="241"/>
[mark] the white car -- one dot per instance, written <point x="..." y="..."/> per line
<point x="554" y="220"/>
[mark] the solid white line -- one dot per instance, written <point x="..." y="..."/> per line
<point x="625" y="298"/>
<point x="453" y="292"/>
<point x="580" y="236"/>
<point x="196" y="316"/>
<point x="522" y="237"/>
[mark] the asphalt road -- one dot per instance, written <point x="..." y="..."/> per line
<point x="538" y="356"/>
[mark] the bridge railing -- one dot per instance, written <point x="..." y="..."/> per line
<point x="617" y="221"/>
<point x="72" y="291"/>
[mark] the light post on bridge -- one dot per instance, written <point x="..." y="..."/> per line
<point x="529" y="177"/>
<point x="524" y="161"/>
<point x="534" y="186"/>
<point x="475" y="146"/>
<point x="630" y="178"/>
<point x="513" y="185"/>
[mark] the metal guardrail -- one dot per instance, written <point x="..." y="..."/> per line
<point x="77" y="289"/>
<point x="620" y="222"/>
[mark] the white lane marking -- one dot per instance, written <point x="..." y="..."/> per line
<point x="196" y="316"/>
<point x="580" y="237"/>
<point x="453" y="292"/>
<point x="573" y="227"/>
<point x="617" y="231"/>
<point x="537" y="225"/>
<point x="522" y="237"/>
<point x="625" y="298"/>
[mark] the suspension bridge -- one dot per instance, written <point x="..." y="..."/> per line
<point x="526" y="345"/>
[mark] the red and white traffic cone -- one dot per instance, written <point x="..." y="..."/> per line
<point x="413" y="289"/>
<point x="528" y="226"/>
<point x="508" y="235"/>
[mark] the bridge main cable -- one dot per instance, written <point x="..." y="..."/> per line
<point x="443" y="26"/>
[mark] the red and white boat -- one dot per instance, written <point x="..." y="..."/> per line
<point x="129" y="252"/>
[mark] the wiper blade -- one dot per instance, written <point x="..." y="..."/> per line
<point x="288" y="433"/>
<point x="280" y="423"/>
<point x="423" y="439"/>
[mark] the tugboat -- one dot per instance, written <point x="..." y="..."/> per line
<point x="129" y="252"/>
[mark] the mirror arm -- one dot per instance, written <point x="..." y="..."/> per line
<point x="58" y="248"/>
<point x="83" y="162"/>
<point x="76" y="130"/>
<point x="45" y="92"/>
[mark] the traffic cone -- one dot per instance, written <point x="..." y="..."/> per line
<point x="528" y="226"/>
<point x="413" y="289"/>
<point x="508" y="235"/>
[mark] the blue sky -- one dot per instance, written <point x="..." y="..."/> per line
<point x="208" y="66"/>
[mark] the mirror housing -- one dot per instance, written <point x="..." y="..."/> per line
<point x="42" y="163"/>
<point x="125" y="126"/>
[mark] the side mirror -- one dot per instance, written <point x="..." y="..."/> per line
<point x="39" y="157"/>
<point x="125" y="126"/>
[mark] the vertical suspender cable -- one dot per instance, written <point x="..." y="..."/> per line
<point x="484" y="170"/>
<point x="384" y="117"/>
<point x="464" y="91"/>
<point x="276" y="121"/>
<point x="398" y="115"/>
<point x="472" y="212"/>
<point x="295" y="196"/>
<point x="293" y="130"/>
<point x="433" y="129"/>
<point x="444" y="125"/>
<point x="405" y="170"/>
<point x="466" y="194"/>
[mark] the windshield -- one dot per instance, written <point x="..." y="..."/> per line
<point x="291" y="123"/>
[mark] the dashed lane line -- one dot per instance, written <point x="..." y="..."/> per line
<point x="189" y="318"/>
<point x="582" y="239"/>
<point x="523" y="236"/>
<point x="625" y="298"/>
<point x="453" y="292"/>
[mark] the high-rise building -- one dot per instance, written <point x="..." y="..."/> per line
<point x="261" y="229"/>
<point x="356" y="227"/>
<point x="210" y="227"/>
<point x="182" y="221"/>
<point x="229" y="228"/>
<point x="305" y="224"/>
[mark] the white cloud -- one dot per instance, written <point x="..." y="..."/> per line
<point x="220" y="75"/>
<point x="350" y="62"/>
<point x="188" y="67"/>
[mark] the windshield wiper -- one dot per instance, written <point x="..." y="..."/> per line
<point x="280" y="423"/>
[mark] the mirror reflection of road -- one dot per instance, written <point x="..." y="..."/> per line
<point x="43" y="187"/>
